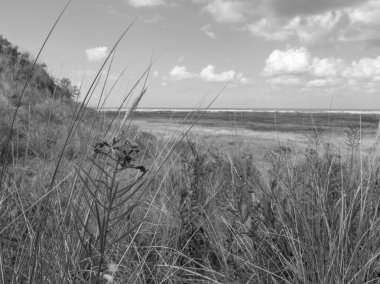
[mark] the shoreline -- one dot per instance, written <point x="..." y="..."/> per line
<point x="222" y="110"/>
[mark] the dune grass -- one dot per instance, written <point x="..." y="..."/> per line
<point x="207" y="216"/>
<point x="87" y="199"/>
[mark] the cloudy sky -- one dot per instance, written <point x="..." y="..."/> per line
<point x="272" y="53"/>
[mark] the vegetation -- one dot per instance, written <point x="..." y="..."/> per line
<point x="14" y="70"/>
<point x="88" y="199"/>
<point x="45" y="105"/>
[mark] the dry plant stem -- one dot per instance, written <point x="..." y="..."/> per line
<point x="1" y="267"/>
<point x="106" y="79"/>
<point x="137" y="101"/>
<point x="129" y="113"/>
<point x="86" y="98"/>
<point x="145" y="73"/>
<point x="113" y="86"/>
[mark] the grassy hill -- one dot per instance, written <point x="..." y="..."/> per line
<point x="89" y="199"/>
<point x="48" y="111"/>
<point x="45" y="105"/>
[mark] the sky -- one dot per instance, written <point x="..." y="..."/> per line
<point x="266" y="53"/>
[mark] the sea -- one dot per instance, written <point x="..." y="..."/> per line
<point x="253" y="110"/>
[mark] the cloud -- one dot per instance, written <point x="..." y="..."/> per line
<point x="291" y="8"/>
<point x="269" y="29"/>
<point x="96" y="53"/>
<point x="225" y="11"/>
<point x="297" y="67"/>
<point x="240" y="78"/>
<point x="364" y="24"/>
<point x="309" y="30"/>
<point x="327" y="67"/>
<point x="364" y="69"/>
<point x="145" y="3"/>
<point x="314" y="29"/>
<point x="365" y="14"/>
<point x="289" y="62"/>
<point x="208" y="74"/>
<point x="180" y="73"/>
<point x="206" y="30"/>
<point x="309" y="22"/>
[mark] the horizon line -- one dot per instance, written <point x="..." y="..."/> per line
<point x="246" y="109"/>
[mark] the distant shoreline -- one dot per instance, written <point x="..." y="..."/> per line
<point x="246" y="110"/>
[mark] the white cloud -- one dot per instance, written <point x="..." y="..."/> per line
<point x="318" y="22"/>
<point x="363" y="25"/>
<point x="268" y="29"/>
<point x="316" y="29"/>
<point x="291" y="61"/>
<point x="289" y="8"/>
<point x="206" y="30"/>
<point x="309" y="30"/>
<point x="327" y="67"/>
<point x="226" y="11"/>
<point x="368" y="13"/>
<point x="309" y="22"/>
<point x="297" y="67"/>
<point x="96" y="53"/>
<point x="156" y="74"/>
<point x="242" y="79"/>
<point x="180" y="73"/>
<point x="145" y="3"/>
<point x="208" y="74"/>
<point x="365" y="68"/>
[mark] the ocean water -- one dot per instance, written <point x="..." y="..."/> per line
<point x="253" y="110"/>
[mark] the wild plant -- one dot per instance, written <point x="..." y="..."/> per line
<point x="352" y="134"/>
<point x="353" y="140"/>
<point x="316" y="138"/>
<point x="103" y="212"/>
<point x="315" y="225"/>
<point x="193" y="239"/>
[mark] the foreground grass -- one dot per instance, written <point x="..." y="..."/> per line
<point x="207" y="215"/>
